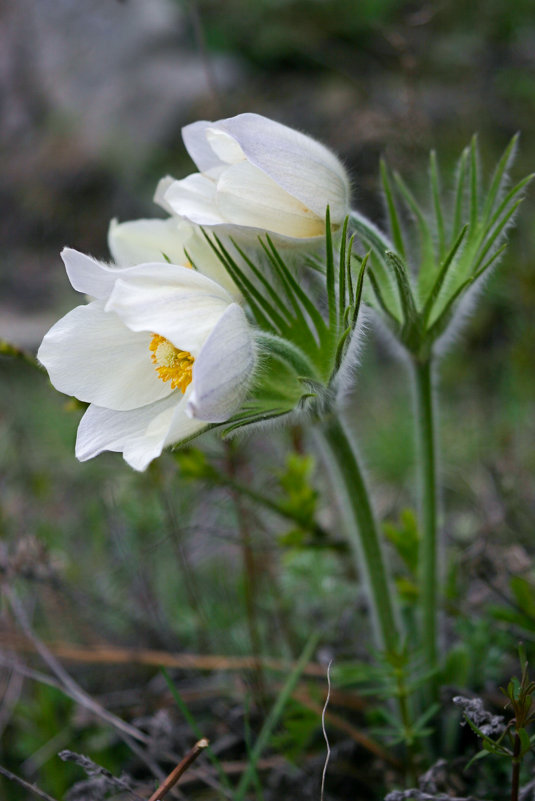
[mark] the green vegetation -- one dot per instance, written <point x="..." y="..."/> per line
<point x="231" y="550"/>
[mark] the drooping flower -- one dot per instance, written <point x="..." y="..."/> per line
<point x="259" y="174"/>
<point x="160" y="353"/>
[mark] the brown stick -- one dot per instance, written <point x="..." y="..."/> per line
<point x="177" y="772"/>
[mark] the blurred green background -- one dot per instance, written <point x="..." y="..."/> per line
<point x="92" y="99"/>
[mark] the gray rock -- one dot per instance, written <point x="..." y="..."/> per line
<point x="114" y="72"/>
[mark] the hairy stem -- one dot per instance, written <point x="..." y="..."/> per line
<point x="361" y="529"/>
<point x="428" y="556"/>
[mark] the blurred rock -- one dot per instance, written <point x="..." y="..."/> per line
<point x="89" y="93"/>
<point x="124" y="71"/>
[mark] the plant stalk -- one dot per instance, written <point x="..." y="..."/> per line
<point x="516" y="762"/>
<point x="361" y="531"/>
<point x="428" y="555"/>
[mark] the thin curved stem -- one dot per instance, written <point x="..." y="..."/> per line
<point x="428" y="557"/>
<point x="341" y="459"/>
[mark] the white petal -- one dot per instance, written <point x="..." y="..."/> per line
<point x="306" y="169"/>
<point x="194" y="198"/>
<point x="197" y="145"/>
<point x="161" y="189"/>
<point x="247" y="196"/>
<point x="88" y="275"/>
<point x="176" y="302"/>
<point x="142" y="241"/>
<point x="224" y="146"/>
<point x="222" y="371"/>
<point x="92" y="355"/>
<point x="140" y="434"/>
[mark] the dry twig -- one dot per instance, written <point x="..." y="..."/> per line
<point x="181" y="768"/>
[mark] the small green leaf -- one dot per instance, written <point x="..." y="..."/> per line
<point x="524" y="742"/>
<point x="194" y="464"/>
<point x="524" y="595"/>
<point x="477" y="757"/>
<point x="404" y="537"/>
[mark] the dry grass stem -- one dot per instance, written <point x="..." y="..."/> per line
<point x="27" y="786"/>
<point x="109" y="654"/>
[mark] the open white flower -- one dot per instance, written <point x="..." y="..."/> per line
<point x="159" y="354"/>
<point x="259" y="174"/>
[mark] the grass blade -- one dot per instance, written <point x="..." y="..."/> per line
<point x="274" y="717"/>
<point x="192" y="723"/>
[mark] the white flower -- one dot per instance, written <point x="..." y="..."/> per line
<point x="154" y="240"/>
<point x="160" y="353"/>
<point x="259" y="174"/>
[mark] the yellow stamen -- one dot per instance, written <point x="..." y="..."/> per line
<point x="172" y="364"/>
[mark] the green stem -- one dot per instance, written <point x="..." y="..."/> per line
<point x="361" y="529"/>
<point x="428" y="556"/>
<point x="406" y="720"/>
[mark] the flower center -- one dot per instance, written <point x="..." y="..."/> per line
<point x="172" y="364"/>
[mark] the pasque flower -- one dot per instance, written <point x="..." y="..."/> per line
<point x="161" y="352"/>
<point x="259" y="174"/>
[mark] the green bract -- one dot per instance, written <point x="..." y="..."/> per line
<point x="305" y="351"/>
<point x="457" y="242"/>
